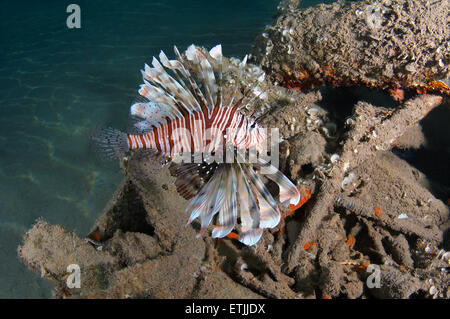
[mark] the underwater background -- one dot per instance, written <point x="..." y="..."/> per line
<point x="56" y="82"/>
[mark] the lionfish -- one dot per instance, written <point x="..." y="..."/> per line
<point x="186" y="112"/>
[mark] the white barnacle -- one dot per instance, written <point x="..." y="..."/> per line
<point x="349" y="121"/>
<point x="261" y="77"/>
<point x="313" y="111"/>
<point x="347" y="180"/>
<point x="257" y="91"/>
<point x="410" y="67"/>
<point x="263" y="96"/>
<point x="433" y="290"/>
<point x="446" y="257"/>
<point x="234" y="61"/>
<point x="334" y="158"/>
<point x="290" y="49"/>
<point x="269" y="47"/>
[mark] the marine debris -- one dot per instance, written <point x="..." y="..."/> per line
<point x="391" y="45"/>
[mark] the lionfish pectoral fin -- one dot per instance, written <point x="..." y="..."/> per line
<point x="108" y="143"/>
<point x="305" y="196"/>
<point x="269" y="216"/>
<point x="269" y="213"/>
<point x="228" y="211"/>
<point x="191" y="177"/>
<point x="250" y="236"/>
<point x="208" y="201"/>
<point x="221" y="231"/>
<point x="249" y="212"/>
<point x="289" y="194"/>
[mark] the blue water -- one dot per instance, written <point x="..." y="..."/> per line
<point x="55" y="82"/>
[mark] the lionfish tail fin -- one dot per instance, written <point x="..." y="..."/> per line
<point x="108" y="143"/>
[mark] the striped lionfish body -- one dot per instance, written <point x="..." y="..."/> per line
<point x="186" y="113"/>
<point x="202" y="131"/>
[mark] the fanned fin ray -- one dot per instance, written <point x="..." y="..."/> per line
<point x="160" y="97"/>
<point x="250" y="236"/>
<point x="268" y="208"/>
<point x="144" y="114"/>
<point x="235" y="93"/>
<point x="195" y="89"/>
<point x="191" y="177"/>
<point x="205" y="72"/>
<point x="249" y="212"/>
<point x="208" y="201"/>
<point x="216" y="54"/>
<point x="289" y="194"/>
<point x="229" y="210"/>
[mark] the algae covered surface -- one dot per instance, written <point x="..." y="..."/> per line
<point x="376" y="224"/>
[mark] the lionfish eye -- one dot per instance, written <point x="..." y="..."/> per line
<point x="253" y="125"/>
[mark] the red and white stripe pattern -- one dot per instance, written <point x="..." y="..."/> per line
<point x="200" y="132"/>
